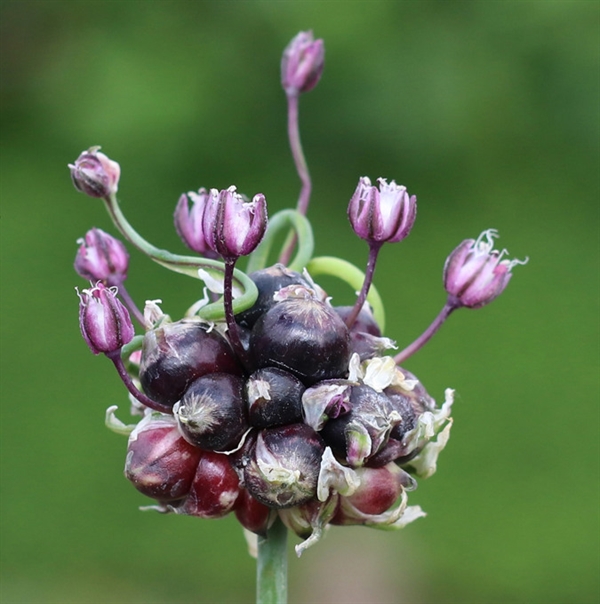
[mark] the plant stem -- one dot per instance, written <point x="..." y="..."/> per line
<point x="301" y="168"/>
<point x="187" y="265"/>
<point x="353" y="276"/>
<point x="306" y="244"/>
<point x="364" y="290"/>
<point x="232" y="326"/>
<point x="115" y="357"/>
<point x="133" y="308"/>
<point x="427" y="334"/>
<point x="271" y="566"/>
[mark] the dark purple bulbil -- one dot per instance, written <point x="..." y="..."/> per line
<point x="303" y="336"/>
<point x="280" y="466"/>
<point x="273" y="397"/>
<point x="359" y="434"/>
<point x="268" y="281"/>
<point x="364" y="322"/>
<point x="211" y="413"/>
<point x="176" y="354"/>
<point x="365" y="336"/>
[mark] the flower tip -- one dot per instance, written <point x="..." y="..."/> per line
<point x="383" y="213"/>
<point x="104" y="322"/>
<point x="94" y="174"/>
<point x="302" y="63"/>
<point x="101" y="257"/>
<point x="475" y="273"/>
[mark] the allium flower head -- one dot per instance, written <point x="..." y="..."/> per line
<point x="101" y="257"/>
<point x="270" y="402"/>
<point x="105" y="323"/>
<point x="475" y="273"/>
<point x="302" y="63"/>
<point x="94" y="174"/>
<point x="384" y="213"/>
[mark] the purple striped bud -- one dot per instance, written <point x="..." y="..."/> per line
<point x="233" y="226"/>
<point x="382" y="214"/>
<point x="302" y="63"/>
<point x="188" y="222"/>
<point x="94" y="174"/>
<point x="104" y="322"/>
<point x="101" y="257"/>
<point x="475" y="273"/>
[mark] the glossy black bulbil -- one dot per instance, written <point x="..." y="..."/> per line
<point x="273" y="397"/>
<point x="268" y="281"/>
<point x="176" y="354"/>
<point x="211" y="414"/>
<point x="303" y="336"/>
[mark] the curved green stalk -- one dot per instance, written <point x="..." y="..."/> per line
<point x="271" y="566"/>
<point x="187" y="265"/>
<point x="336" y="267"/>
<point x="284" y="220"/>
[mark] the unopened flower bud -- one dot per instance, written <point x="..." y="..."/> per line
<point x="211" y="413"/>
<point x="214" y="490"/>
<point x="233" y="226"/>
<point x="302" y="63"/>
<point x="281" y="465"/>
<point x="475" y="273"/>
<point x="382" y="214"/>
<point x="160" y="463"/>
<point x="101" y="257"/>
<point x="104" y="322"/>
<point x="188" y="222"/>
<point x="176" y="354"/>
<point x="94" y="174"/>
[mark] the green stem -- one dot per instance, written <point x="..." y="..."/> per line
<point x="354" y="277"/>
<point x="187" y="265"/>
<point x="271" y="566"/>
<point x="284" y="220"/>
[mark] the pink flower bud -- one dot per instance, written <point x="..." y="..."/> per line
<point x="302" y="63"/>
<point x="101" y="257"/>
<point x="475" y="273"/>
<point x="381" y="214"/>
<point x="232" y="226"/>
<point x="188" y="222"/>
<point x="94" y="174"/>
<point x="104" y="322"/>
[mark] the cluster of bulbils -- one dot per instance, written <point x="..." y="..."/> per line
<point x="291" y="407"/>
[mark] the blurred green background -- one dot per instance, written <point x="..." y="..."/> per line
<point x="487" y="111"/>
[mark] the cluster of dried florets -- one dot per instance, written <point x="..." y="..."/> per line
<point x="270" y="401"/>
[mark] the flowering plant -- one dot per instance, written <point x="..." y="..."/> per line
<point x="265" y="399"/>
